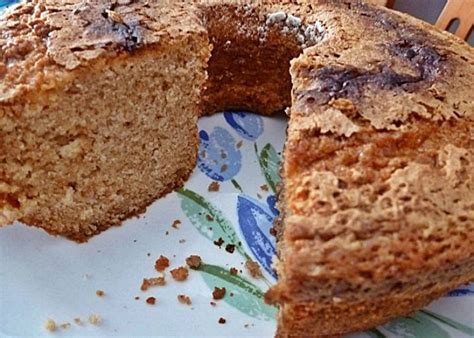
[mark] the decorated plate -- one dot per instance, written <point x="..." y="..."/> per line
<point x="51" y="286"/>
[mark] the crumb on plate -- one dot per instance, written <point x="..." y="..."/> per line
<point x="218" y="293"/>
<point x="180" y="274"/>
<point x="183" y="299"/>
<point x="194" y="261"/>
<point x="219" y="242"/>
<point x="162" y="263"/>
<point x="50" y="325"/>
<point x="95" y="319"/>
<point x="148" y="282"/>
<point x="176" y="224"/>
<point x="213" y="187"/>
<point x="253" y="268"/>
<point x="65" y="326"/>
<point x="230" y="248"/>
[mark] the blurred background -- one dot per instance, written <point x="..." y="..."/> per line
<point x="429" y="10"/>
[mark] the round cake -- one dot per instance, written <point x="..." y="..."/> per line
<point x="98" y="108"/>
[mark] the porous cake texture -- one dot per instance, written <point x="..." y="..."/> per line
<point x="98" y="109"/>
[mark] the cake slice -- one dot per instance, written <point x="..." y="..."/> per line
<point x="378" y="194"/>
<point x="98" y="110"/>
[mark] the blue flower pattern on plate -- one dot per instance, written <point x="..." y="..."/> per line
<point x="256" y="220"/>
<point x="219" y="157"/>
<point x="4" y="3"/>
<point x="271" y="201"/>
<point x="463" y="291"/>
<point x="247" y="125"/>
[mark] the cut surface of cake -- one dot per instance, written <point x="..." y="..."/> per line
<point x="98" y="108"/>
<point x="98" y="111"/>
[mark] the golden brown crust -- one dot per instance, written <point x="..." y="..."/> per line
<point x="379" y="153"/>
<point x="311" y="319"/>
<point x="42" y="41"/>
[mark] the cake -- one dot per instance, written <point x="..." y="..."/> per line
<point x="98" y="108"/>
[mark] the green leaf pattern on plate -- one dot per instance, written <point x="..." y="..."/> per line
<point x="209" y="220"/>
<point x="247" y="297"/>
<point x="451" y="323"/>
<point x="375" y="333"/>
<point x="270" y="163"/>
<point x="416" y="326"/>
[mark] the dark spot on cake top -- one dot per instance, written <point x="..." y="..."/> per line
<point x="127" y="32"/>
<point x="411" y="45"/>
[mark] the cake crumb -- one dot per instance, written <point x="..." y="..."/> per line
<point x="234" y="271"/>
<point x="209" y="218"/>
<point x="151" y="300"/>
<point x="219" y="242"/>
<point x="264" y="187"/>
<point x="213" y="303"/>
<point x="50" y="325"/>
<point x="218" y="293"/>
<point x="100" y="293"/>
<point x="162" y="263"/>
<point x="95" y="319"/>
<point x="183" y="299"/>
<point x="254" y="269"/>
<point x="230" y="248"/>
<point x="78" y="321"/>
<point x="180" y="274"/>
<point x="214" y="187"/>
<point x="194" y="261"/>
<point x="137" y="298"/>
<point x="148" y="282"/>
<point x="239" y="144"/>
<point x="181" y="241"/>
<point x="273" y="231"/>
<point x="176" y="224"/>
<point x="222" y="320"/>
<point x="65" y="326"/>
